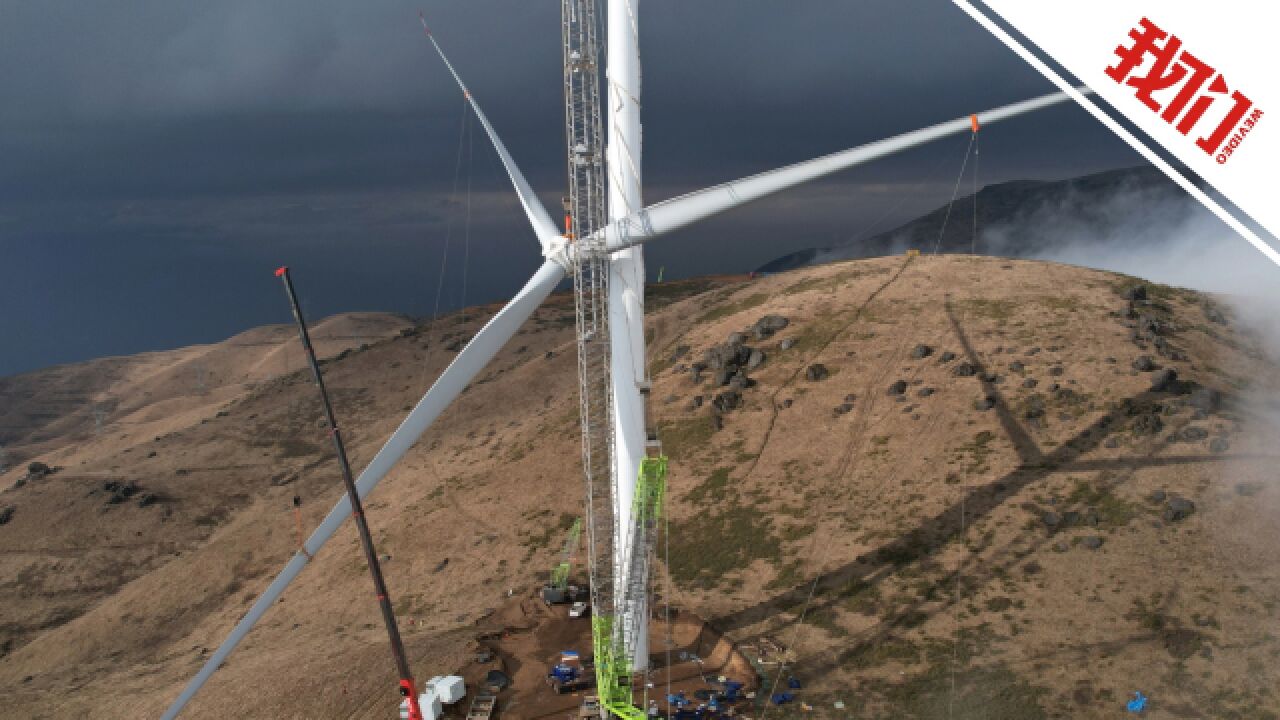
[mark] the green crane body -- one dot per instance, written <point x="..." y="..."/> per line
<point x="560" y="573"/>
<point x="613" y="667"/>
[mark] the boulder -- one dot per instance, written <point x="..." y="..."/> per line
<point x="7" y="514"/>
<point x="816" y="372"/>
<point x="1193" y="434"/>
<point x="1219" y="445"/>
<point x="119" y="491"/>
<point x="727" y="400"/>
<point x="1034" y="408"/>
<point x="924" y="392"/>
<point x="1016" y="366"/>
<point x="921" y="351"/>
<point x="898" y="388"/>
<point x="1214" y="315"/>
<point x="1178" y="508"/>
<point x="947" y="357"/>
<point x="787" y="344"/>
<point x="1205" y="399"/>
<point x="718" y="356"/>
<point x="1030" y="383"/>
<point x="965" y="369"/>
<point x="842" y="408"/>
<point x="1093" y="542"/>
<point x="984" y="403"/>
<point x="1164" y="380"/>
<point x="38" y="470"/>
<point x="768" y="325"/>
<point x="755" y="359"/>
<point x="1144" y="363"/>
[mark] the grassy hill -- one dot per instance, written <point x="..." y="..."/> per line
<point x="948" y="487"/>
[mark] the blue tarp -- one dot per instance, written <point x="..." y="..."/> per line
<point x="780" y="698"/>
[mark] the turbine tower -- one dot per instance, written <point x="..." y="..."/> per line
<point x="601" y="250"/>
<point x="626" y="309"/>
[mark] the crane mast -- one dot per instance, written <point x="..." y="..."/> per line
<point x="618" y="566"/>
<point x="585" y="214"/>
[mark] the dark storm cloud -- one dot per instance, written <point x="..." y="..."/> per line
<point x="209" y="139"/>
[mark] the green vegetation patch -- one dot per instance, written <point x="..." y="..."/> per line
<point x="710" y="545"/>
<point x="730" y="308"/>
<point x="1112" y="511"/>
<point x="550" y="531"/>
<point x="998" y="310"/>
<point x="712" y="488"/>
<point x="983" y="693"/>
<point x="685" y="437"/>
<point x="660" y="295"/>
<point x="975" y="453"/>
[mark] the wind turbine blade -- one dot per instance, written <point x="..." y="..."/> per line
<point x="676" y="213"/>
<point x="543" y="227"/>
<point x="451" y="382"/>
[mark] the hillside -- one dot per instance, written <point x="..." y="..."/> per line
<point x="1012" y="218"/>
<point x="1024" y="490"/>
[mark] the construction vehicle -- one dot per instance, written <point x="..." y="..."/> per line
<point x="569" y="675"/>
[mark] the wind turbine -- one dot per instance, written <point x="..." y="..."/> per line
<point x="610" y="259"/>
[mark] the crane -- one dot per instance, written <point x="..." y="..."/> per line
<point x="557" y="589"/>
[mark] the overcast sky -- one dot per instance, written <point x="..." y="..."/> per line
<point x="159" y="159"/>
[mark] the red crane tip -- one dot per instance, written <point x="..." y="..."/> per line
<point x="280" y="271"/>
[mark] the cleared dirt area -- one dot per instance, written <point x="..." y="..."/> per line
<point x="526" y="637"/>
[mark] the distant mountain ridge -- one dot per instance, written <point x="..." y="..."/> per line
<point x="1010" y="215"/>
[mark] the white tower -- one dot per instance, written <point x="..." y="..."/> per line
<point x="626" y="293"/>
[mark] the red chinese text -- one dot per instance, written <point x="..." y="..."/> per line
<point x="1196" y="86"/>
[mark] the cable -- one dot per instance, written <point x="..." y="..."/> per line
<point x="954" y="192"/>
<point x="466" y="242"/>
<point x="862" y="234"/>
<point x="973" y="246"/>
<point x="463" y="123"/>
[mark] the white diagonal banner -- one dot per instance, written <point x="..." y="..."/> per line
<point x="1200" y="84"/>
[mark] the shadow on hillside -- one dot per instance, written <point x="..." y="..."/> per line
<point x="933" y="534"/>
